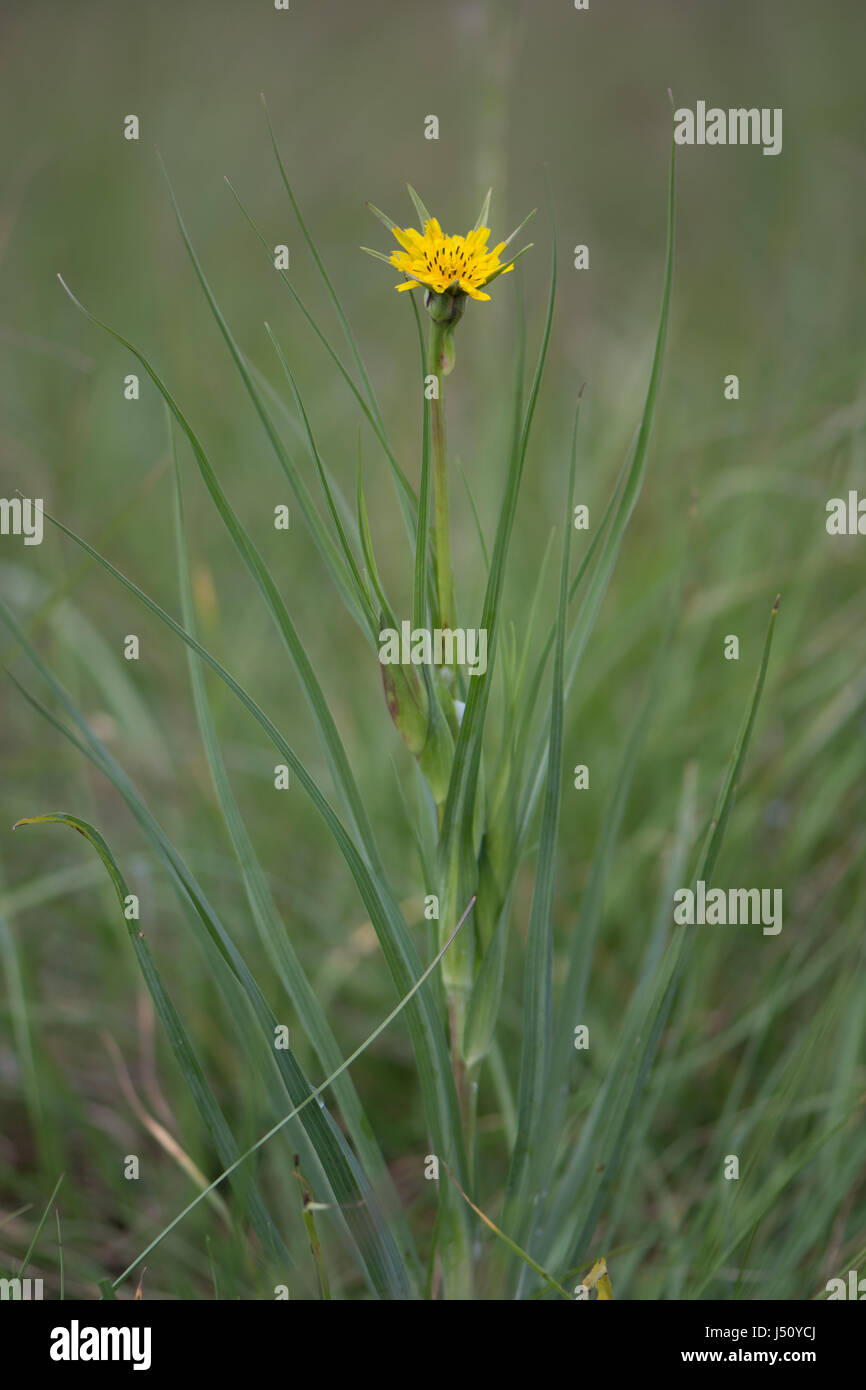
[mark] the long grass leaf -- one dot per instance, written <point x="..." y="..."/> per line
<point x="350" y="1186"/>
<point x="538" y="978"/>
<point x="419" y="207"/>
<point x="314" y="1095"/>
<point x="334" y="751"/>
<point x="320" y="266"/>
<point x="421" y="584"/>
<point x="431" y="1050"/>
<point x="456" y="851"/>
<point x="627" y="495"/>
<point x="348" y="556"/>
<point x="405" y="495"/>
<point x="267" y="917"/>
<point x="188" y="1063"/>
<point x="592" y="1166"/>
<point x="37" y="1233"/>
<point x="512" y="1245"/>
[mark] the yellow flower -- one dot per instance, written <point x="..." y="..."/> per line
<point x="451" y="268"/>
<point x="447" y="262"/>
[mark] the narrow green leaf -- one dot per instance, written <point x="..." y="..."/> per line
<point x="314" y="1094"/>
<point x="524" y="717"/>
<point x="538" y="977"/>
<point x="350" y="1186"/>
<point x="725" y="803"/>
<point x="405" y="494"/>
<point x="334" y="751"/>
<point x="419" y="207"/>
<point x="520" y="670"/>
<point x="320" y="266"/>
<point x="325" y="545"/>
<point x="481" y="219"/>
<point x="185" y="1055"/>
<point x="327" y="492"/>
<point x="309" y="1205"/>
<point x="593" y="1163"/>
<point x="456" y="841"/>
<point x="512" y="1245"/>
<point x="583" y="938"/>
<point x="369" y="555"/>
<point x="508" y="264"/>
<point x="44" y="1217"/>
<point x="431" y="1050"/>
<point x="423" y="583"/>
<point x="520" y="226"/>
<point x="382" y="216"/>
<point x="378" y="254"/>
<point x="267" y="917"/>
<point x="627" y="495"/>
<point x="486" y="998"/>
<point x="476" y="518"/>
<point x="23" y="1027"/>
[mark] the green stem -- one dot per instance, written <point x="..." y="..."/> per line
<point x="472" y="1076"/>
<point x="457" y="1018"/>
<point x="454" y="1238"/>
<point x="444" y="575"/>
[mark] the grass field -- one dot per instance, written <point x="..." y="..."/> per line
<point x="705" y="1043"/>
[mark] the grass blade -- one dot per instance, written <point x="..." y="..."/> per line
<point x="348" y="556"/>
<point x="512" y="1245"/>
<point x="627" y="494"/>
<point x="456" y="857"/>
<point x="405" y="495"/>
<point x="37" y="1233"/>
<point x="266" y="915"/>
<point x="314" y="1095"/>
<point x="593" y="1164"/>
<point x="351" y="1187"/>
<point x="481" y="219"/>
<point x="334" y="751"/>
<point x="422" y="583"/>
<point x="400" y="953"/>
<point x="423" y="214"/>
<point x="538" y="987"/>
<point x="320" y="265"/>
<point x="184" y="1053"/>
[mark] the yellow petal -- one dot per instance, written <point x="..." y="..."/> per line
<point x="407" y="285"/>
<point x="409" y="238"/>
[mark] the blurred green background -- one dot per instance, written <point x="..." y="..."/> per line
<point x="769" y="284"/>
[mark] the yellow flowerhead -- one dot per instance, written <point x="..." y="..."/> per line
<point x="450" y="268"/>
<point x="447" y="262"/>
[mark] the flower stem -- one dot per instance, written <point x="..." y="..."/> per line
<point x="444" y="575"/>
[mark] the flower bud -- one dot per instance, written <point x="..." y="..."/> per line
<point x="437" y="754"/>
<point x="446" y="308"/>
<point x="407" y="704"/>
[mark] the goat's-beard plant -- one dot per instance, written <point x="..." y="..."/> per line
<point x="427" y="700"/>
<point x="482" y="824"/>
